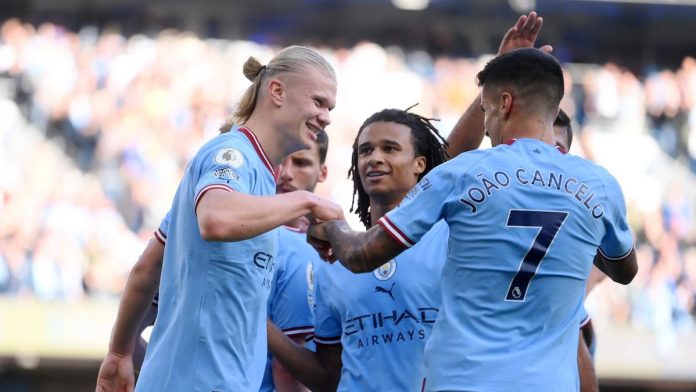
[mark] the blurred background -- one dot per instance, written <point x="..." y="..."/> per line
<point x="103" y="102"/>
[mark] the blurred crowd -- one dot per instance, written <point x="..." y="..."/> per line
<point x="129" y="112"/>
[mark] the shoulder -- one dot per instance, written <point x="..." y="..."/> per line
<point x="471" y="157"/>
<point x="600" y="174"/>
<point x="467" y="162"/>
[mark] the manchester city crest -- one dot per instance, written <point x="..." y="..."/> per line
<point x="386" y="271"/>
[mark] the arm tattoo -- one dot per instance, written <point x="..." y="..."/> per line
<point x="362" y="251"/>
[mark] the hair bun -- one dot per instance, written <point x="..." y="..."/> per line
<point x="252" y="68"/>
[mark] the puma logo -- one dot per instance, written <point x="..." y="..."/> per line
<point x="379" y="289"/>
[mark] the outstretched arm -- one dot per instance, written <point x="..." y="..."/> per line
<point x="116" y="371"/>
<point x="235" y="216"/>
<point x="468" y="133"/>
<point x="357" y="251"/>
<point x="621" y="270"/>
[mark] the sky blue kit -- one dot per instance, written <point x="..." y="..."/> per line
<point x="525" y="224"/>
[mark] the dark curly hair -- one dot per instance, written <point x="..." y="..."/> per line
<point x="427" y="142"/>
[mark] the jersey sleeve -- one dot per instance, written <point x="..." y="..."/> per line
<point x="226" y="166"/>
<point x="288" y="307"/>
<point x="327" y="329"/>
<point x="583" y="316"/>
<point x="618" y="239"/>
<point x="422" y="207"/>
<point x="163" y="229"/>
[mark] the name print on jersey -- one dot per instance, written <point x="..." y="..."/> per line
<point x="477" y="194"/>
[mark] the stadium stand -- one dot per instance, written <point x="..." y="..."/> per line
<point x="98" y="128"/>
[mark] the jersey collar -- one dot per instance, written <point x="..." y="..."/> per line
<point x="509" y="142"/>
<point x="257" y="146"/>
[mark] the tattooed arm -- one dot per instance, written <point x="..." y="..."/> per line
<point x="357" y="251"/>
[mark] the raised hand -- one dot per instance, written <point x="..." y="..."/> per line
<point x="523" y="34"/>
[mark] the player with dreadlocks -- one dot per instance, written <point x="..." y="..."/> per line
<point x="427" y="143"/>
<point x="371" y="329"/>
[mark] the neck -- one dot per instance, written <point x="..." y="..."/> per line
<point x="380" y="206"/>
<point x="267" y="137"/>
<point x="530" y="128"/>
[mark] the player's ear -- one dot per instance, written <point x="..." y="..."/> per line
<point x="323" y="172"/>
<point x="419" y="165"/>
<point x="276" y="91"/>
<point x="506" y="104"/>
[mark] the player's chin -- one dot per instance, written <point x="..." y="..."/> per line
<point x="378" y="189"/>
<point x="310" y="137"/>
<point x="306" y="143"/>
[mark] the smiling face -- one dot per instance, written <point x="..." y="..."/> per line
<point x="387" y="163"/>
<point x="301" y="171"/>
<point x="309" y="99"/>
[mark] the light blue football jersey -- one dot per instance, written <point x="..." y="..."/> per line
<point x="288" y="307"/>
<point x="212" y="302"/>
<point x="163" y="229"/>
<point x="525" y="224"/>
<point x="382" y="318"/>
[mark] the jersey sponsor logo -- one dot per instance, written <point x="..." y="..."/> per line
<point x="380" y="289"/>
<point x="229" y="156"/>
<point x="226" y="174"/>
<point x="386" y="271"/>
<point x="421" y="315"/>
<point x="396" y="326"/>
<point x="390" y="337"/>
<point x="266" y="262"/>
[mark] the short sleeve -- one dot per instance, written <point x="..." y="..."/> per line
<point x="618" y="239"/>
<point x="423" y="206"/>
<point x="225" y="166"/>
<point x="327" y="329"/>
<point x="163" y="229"/>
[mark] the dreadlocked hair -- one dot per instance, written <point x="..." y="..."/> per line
<point x="427" y="142"/>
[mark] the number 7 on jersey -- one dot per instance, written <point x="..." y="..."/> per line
<point x="549" y="223"/>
